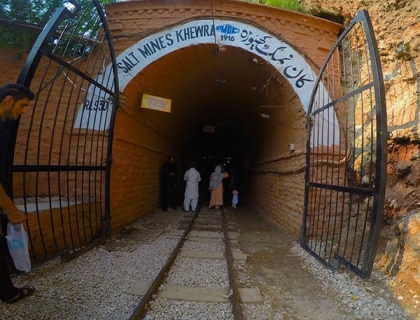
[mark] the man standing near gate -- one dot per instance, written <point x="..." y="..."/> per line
<point x="14" y="100"/>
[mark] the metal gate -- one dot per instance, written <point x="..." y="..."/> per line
<point x="57" y="159"/>
<point x="346" y="153"/>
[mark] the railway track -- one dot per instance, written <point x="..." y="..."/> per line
<point x="198" y="275"/>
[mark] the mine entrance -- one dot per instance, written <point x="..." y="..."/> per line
<point x="250" y="81"/>
<point x="346" y="153"/>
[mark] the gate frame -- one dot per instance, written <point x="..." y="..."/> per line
<point x="9" y="130"/>
<point x="381" y="150"/>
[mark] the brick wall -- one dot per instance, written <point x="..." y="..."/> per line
<point x="280" y="197"/>
<point x="139" y="151"/>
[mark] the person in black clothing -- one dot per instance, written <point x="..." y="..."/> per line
<point x="14" y="101"/>
<point x="168" y="180"/>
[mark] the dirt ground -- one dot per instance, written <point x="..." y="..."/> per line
<point x="292" y="291"/>
<point x="279" y="274"/>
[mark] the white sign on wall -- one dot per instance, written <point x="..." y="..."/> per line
<point x="95" y="113"/>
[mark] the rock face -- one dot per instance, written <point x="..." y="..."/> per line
<point x="396" y="24"/>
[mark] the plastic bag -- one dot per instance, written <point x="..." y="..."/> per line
<point x="17" y="242"/>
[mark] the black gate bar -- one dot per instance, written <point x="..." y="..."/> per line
<point x="346" y="153"/>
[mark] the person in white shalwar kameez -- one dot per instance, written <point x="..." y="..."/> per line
<point x="192" y="177"/>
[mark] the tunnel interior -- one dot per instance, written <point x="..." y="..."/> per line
<point x="219" y="94"/>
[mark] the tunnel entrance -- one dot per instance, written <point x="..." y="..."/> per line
<point x="238" y="92"/>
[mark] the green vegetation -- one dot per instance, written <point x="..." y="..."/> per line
<point x="31" y="12"/>
<point x="294" y="5"/>
<point x="35" y="13"/>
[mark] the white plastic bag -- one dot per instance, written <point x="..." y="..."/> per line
<point x="17" y="242"/>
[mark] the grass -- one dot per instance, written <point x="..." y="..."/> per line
<point x="293" y="5"/>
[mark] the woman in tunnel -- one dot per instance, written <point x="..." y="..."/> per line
<point x="216" y="187"/>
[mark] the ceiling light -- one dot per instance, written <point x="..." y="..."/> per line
<point x="222" y="50"/>
<point x="269" y="116"/>
<point x="273" y="106"/>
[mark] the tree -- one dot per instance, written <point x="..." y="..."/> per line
<point x="16" y="14"/>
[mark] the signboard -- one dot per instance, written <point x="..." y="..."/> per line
<point x="156" y="103"/>
<point x="95" y="113"/>
<point x="210" y="129"/>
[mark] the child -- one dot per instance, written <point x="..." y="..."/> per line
<point x="234" y="198"/>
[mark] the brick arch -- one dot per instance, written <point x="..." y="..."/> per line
<point x="289" y="62"/>
<point x="307" y="38"/>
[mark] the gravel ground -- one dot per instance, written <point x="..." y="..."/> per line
<point x="292" y="283"/>
<point x="362" y="297"/>
<point x="297" y="286"/>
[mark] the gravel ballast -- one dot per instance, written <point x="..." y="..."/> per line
<point x="94" y="285"/>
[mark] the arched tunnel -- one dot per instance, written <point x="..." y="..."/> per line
<point x="218" y="96"/>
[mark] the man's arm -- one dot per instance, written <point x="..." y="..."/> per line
<point x="14" y="215"/>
